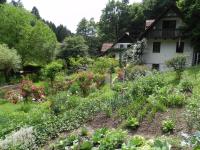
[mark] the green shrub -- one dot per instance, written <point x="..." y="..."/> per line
<point x="84" y="131"/>
<point x="136" y="141"/>
<point x="86" y="145"/>
<point x="132" y="123"/>
<point x="52" y="69"/>
<point x="99" y="135"/>
<point x="135" y="71"/>
<point x="168" y="126"/>
<point x="113" y="140"/>
<point x="176" y="99"/>
<point x="193" y="111"/>
<point x="178" y="64"/>
<point x="186" y="86"/>
<point x="161" y="145"/>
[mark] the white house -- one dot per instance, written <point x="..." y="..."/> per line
<point x="165" y="40"/>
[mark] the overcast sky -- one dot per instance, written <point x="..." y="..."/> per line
<point x="68" y="12"/>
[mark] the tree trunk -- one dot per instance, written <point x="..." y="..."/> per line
<point x="7" y="76"/>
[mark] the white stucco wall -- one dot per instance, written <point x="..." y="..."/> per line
<point x="167" y="51"/>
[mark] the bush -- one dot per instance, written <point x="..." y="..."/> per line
<point x="133" y="72"/>
<point x="193" y="111"/>
<point x="23" y="139"/>
<point x="132" y="123"/>
<point x="178" y="64"/>
<point x="86" y="145"/>
<point x="113" y="140"/>
<point x="84" y="131"/>
<point x="136" y="141"/>
<point x="186" y="86"/>
<point x="52" y="69"/>
<point x="99" y="135"/>
<point x="168" y="126"/>
<point x="176" y="99"/>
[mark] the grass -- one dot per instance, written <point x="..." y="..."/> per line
<point x="15" y="115"/>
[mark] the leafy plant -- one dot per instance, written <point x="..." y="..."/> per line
<point x="132" y="123"/>
<point x="84" y="131"/>
<point x="168" y="126"/>
<point x="178" y="63"/>
<point x="52" y="69"/>
<point x="99" y="135"/>
<point x="186" y="85"/>
<point x="113" y="140"/>
<point x="136" y="141"/>
<point x="86" y="145"/>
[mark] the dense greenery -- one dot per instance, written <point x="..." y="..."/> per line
<point x="32" y="39"/>
<point x="9" y="61"/>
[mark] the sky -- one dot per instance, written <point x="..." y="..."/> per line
<point x="68" y="12"/>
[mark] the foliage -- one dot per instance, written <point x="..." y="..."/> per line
<point x="192" y="113"/>
<point x="22" y="139"/>
<point x="134" y="54"/>
<point x="31" y="92"/>
<point x="9" y="60"/>
<point x="168" y="126"/>
<point x="192" y="140"/>
<point x="73" y="46"/>
<point x="135" y="71"/>
<point x="86" y="145"/>
<point x="52" y="68"/>
<point x="186" y="85"/>
<point x="159" y="144"/>
<point x="32" y="39"/>
<point x="178" y="64"/>
<point x="103" y="64"/>
<point x="132" y="123"/>
<point x="99" y="135"/>
<point x="136" y="141"/>
<point x="84" y="131"/>
<point x="112" y="140"/>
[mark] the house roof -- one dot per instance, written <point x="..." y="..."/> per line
<point x="106" y="46"/>
<point x="172" y="7"/>
<point x="126" y="38"/>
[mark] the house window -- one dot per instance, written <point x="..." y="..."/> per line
<point x="129" y="45"/>
<point x="179" y="47"/>
<point x="155" y="66"/>
<point x="156" y="47"/>
<point x="121" y="46"/>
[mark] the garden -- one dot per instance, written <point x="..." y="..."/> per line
<point x="101" y="107"/>
<point x="58" y="93"/>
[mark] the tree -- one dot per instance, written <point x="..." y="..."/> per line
<point x="88" y="29"/>
<point x="178" y="64"/>
<point x="152" y="8"/>
<point x="114" y="21"/>
<point x="17" y="3"/>
<point x="73" y="46"/>
<point x="35" y="12"/>
<point x="33" y="40"/>
<point x="125" y="1"/>
<point x="82" y="28"/>
<point x="191" y="10"/>
<point x="2" y="1"/>
<point x="9" y="60"/>
<point x="62" y="32"/>
<point x="52" y="69"/>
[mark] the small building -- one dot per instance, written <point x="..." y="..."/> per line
<point x="123" y="43"/>
<point x="165" y="40"/>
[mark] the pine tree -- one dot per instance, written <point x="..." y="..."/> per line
<point x="35" y="12"/>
